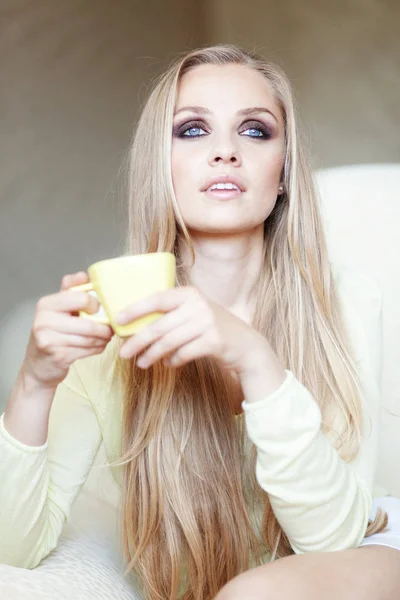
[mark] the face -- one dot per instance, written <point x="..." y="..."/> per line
<point x="227" y="149"/>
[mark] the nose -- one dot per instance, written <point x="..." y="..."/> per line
<point x="224" y="151"/>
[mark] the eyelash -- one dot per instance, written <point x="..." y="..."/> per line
<point x="180" y="130"/>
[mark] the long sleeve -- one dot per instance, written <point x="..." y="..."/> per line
<point x="39" y="484"/>
<point x="321" y="502"/>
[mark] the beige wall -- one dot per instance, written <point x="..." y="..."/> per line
<point x="343" y="60"/>
<point x="72" y="74"/>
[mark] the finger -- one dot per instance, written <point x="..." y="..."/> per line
<point x="163" y="325"/>
<point x="73" y="353"/>
<point x="161" y="302"/>
<point x="169" y="343"/>
<point x="69" y="301"/>
<point x="194" y="349"/>
<point x="78" y="341"/>
<point x="74" y="279"/>
<point x="74" y="325"/>
<point x="52" y="342"/>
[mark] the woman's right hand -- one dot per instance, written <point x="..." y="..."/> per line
<point x="59" y="337"/>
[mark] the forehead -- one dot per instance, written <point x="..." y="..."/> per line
<point x="227" y="87"/>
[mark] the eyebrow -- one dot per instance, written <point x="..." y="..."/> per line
<point x="244" y="112"/>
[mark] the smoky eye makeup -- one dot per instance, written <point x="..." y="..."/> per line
<point x="251" y="128"/>
<point x="183" y="130"/>
<point x="259" y="130"/>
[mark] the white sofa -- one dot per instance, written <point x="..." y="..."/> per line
<point x="361" y="208"/>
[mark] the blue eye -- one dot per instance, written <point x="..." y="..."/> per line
<point x="193" y="132"/>
<point x="253" y="132"/>
<point x="256" y="130"/>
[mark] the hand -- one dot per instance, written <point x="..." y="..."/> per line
<point x="59" y="337"/>
<point x="192" y="327"/>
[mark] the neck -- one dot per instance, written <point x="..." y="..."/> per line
<point x="227" y="267"/>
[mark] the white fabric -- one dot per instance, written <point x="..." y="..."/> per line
<point x="391" y="535"/>
<point x="361" y="211"/>
<point x="80" y="569"/>
<point x="87" y="562"/>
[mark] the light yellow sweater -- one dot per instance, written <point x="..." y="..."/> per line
<point x="321" y="502"/>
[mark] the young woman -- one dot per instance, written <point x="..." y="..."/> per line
<point x="240" y="419"/>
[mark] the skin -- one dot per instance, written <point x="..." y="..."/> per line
<point x="370" y="573"/>
<point x="56" y="341"/>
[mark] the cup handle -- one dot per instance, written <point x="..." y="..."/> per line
<point x="100" y="316"/>
<point x="83" y="287"/>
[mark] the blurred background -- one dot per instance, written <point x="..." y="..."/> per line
<point x="74" y="75"/>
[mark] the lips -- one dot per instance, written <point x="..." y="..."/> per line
<point x="224" y="182"/>
<point x="223" y="186"/>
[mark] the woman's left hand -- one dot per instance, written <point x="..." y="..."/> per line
<point x="192" y="326"/>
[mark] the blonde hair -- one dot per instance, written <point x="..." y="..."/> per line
<point x="189" y="485"/>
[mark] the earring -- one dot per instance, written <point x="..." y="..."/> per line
<point x="280" y="189"/>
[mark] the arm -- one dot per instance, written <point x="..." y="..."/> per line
<point x="40" y="483"/>
<point x="321" y="502"/>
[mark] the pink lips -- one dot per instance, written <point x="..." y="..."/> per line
<point x="224" y="194"/>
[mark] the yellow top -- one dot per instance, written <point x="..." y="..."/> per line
<point x="321" y="502"/>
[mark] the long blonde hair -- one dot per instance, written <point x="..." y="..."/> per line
<point x="189" y="484"/>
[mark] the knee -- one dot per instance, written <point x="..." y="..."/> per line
<point x="279" y="580"/>
<point x="251" y="585"/>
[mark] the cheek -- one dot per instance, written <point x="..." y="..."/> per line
<point x="267" y="183"/>
<point x="187" y="165"/>
<point x="266" y="173"/>
<point x="269" y="172"/>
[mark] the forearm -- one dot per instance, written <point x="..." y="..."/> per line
<point x="320" y="501"/>
<point x="26" y="416"/>
<point x="40" y="482"/>
<point x="24" y="514"/>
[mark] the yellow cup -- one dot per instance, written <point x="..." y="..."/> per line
<point x="119" y="282"/>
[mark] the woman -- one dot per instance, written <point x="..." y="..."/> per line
<point x="257" y="327"/>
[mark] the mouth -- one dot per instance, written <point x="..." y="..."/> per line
<point x="223" y="191"/>
<point x="224" y="188"/>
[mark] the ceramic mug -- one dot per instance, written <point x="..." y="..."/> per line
<point x="119" y="282"/>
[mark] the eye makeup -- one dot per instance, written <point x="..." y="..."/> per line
<point x="263" y="131"/>
<point x="180" y="130"/>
